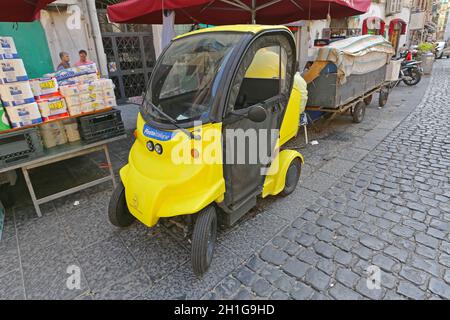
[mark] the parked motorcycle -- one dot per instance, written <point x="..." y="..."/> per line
<point x="410" y="70"/>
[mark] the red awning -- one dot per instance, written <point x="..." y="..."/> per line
<point x="394" y="22"/>
<point x="373" y="23"/>
<point x="220" y="12"/>
<point x="21" y="10"/>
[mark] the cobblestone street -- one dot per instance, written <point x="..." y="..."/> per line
<point x="371" y="194"/>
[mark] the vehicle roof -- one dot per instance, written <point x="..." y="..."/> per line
<point x="252" y="28"/>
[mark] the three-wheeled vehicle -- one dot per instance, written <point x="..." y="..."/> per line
<point x="219" y="107"/>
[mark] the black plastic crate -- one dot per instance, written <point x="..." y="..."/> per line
<point x="101" y="126"/>
<point x="20" y="146"/>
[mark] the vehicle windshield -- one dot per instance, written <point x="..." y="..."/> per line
<point x="185" y="82"/>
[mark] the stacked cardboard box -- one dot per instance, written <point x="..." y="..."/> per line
<point x="15" y="88"/>
<point x="88" y="97"/>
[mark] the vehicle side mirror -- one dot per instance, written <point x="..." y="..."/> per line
<point x="257" y="113"/>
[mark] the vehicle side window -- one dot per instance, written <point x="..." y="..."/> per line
<point x="262" y="79"/>
<point x="265" y="73"/>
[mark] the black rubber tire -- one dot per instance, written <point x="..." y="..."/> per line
<point x="292" y="176"/>
<point x="358" y="112"/>
<point x="416" y="78"/>
<point x="368" y="100"/>
<point x="118" y="212"/>
<point x="204" y="240"/>
<point x="383" y="98"/>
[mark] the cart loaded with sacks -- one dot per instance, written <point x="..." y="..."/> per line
<point x="347" y="73"/>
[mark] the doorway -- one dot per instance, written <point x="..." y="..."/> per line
<point x="130" y="55"/>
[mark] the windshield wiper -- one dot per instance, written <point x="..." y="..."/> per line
<point x="172" y="120"/>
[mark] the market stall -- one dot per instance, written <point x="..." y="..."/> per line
<point x="59" y="116"/>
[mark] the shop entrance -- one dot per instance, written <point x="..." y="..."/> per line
<point x="130" y="55"/>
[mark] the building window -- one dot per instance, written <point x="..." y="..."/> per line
<point x="393" y="6"/>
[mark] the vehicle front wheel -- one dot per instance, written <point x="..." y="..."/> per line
<point x="204" y="240"/>
<point x="359" y="111"/>
<point x="118" y="212"/>
<point x="292" y="177"/>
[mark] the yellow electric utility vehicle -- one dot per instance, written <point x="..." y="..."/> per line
<point x="219" y="107"/>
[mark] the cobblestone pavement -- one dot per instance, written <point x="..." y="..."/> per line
<point x="375" y="193"/>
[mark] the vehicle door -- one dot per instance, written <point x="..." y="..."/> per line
<point x="263" y="78"/>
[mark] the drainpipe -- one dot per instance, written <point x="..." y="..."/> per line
<point x="96" y="35"/>
<point x="253" y="11"/>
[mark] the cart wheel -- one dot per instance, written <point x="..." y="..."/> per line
<point x="118" y="212"/>
<point x="204" y="240"/>
<point x="384" y="93"/>
<point x="292" y="176"/>
<point x="368" y="100"/>
<point x="358" y="112"/>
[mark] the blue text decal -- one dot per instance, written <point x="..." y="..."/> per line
<point x="154" y="133"/>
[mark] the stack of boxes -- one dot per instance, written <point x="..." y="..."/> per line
<point x="88" y="97"/>
<point x="51" y="104"/>
<point x="15" y="88"/>
<point x="65" y="93"/>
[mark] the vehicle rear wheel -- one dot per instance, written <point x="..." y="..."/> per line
<point x="415" y="78"/>
<point x="118" y="212"/>
<point x="204" y="240"/>
<point x="383" y="98"/>
<point x="358" y="112"/>
<point x="292" y="177"/>
<point x="368" y="100"/>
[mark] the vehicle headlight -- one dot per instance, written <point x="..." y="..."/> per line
<point x="150" y="146"/>
<point x="158" y="148"/>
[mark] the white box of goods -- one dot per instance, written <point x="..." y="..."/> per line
<point x="44" y="86"/>
<point x="98" y="104"/>
<point x="24" y="115"/>
<point x="69" y="90"/>
<point x="87" y="107"/>
<point x="71" y="94"/>
<point x="87" y="78"/>
<point x="106" y="83"/>
<point x="72" y="132"/>
<point x="4" y="123"/>
<point x="70" y="75"/>
<point x="8" y="48"/>
<point x="109" y="93"/>
<point x="12" y="70"/>
<point x="73" y="100"/>
<point x="53" y="134"/>
<point x="74" y="109"/>
<point x="52" y="107"/>
<point x="17" y="93"/>
<point x="83" y="88"/>
<point x="110" y="102"/>
<point x="85" y="97"/>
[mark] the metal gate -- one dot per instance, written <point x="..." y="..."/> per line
<point x="130" y="55"/>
